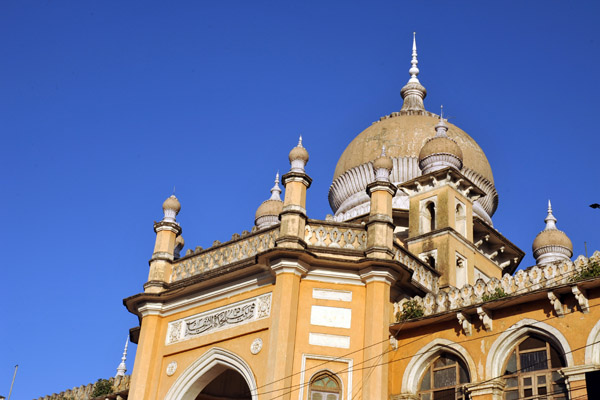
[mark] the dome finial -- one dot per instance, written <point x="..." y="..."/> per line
<point x="413" y="92"/>
<point x="441" y="128"/>
<point x="414" y="71"/>
<point x="121" y="369"/>
<point x="298" y="157"/>
<point x="276" y="190"/>
<point x="300" y="141"/>
<point x="171" y="208"/>
<point x="550" y="220"/>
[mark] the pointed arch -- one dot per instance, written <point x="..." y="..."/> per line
<point x="421" y="361"/>
<point x="505" y="343"/>
<point x="592" y="346"/>
<point x="202" y="371"/>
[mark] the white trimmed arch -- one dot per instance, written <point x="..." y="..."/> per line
<point x="421" y="361"/>
<point x="202" y="371"/>
<point x="506" y="342"/>
<point x="592" y="347"/>
<point x="319" y="372"/>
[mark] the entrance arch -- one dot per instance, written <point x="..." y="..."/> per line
<point x="206" y="373"/>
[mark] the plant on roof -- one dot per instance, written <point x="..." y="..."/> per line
<point x="497" y="294"/>
<point x="590" y="270"/>
<point x="102" y="387"/>
<point x="411" y="309"/>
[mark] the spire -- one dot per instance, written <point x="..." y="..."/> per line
<point x="121" y="369"/>
<point x="276" y="190"/>
<point x="441" y="128"/>
<point x="300" y="141"/>
<point x="413" y="92"/>
<point x="550" y="220"/>
<point x="414" y="71"/>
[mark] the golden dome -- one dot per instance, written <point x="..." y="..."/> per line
<point x="269" y="207"/>
<point x="552" y="237"/>
<point x="440" y="145"/>
<point x="172" y="204"/>
<point x="403" y="136"/>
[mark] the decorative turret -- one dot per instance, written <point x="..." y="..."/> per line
<point x="293" y="213"/>
<point x="298" y="157"/>
<point x="551" y="244"/>
<point x="383" y="166"/>
<point x="121" y="369"/>
<point x="440" y="151"/>
<point x="268" y="212"/>
<point x="171" y="208"/>
<point x="413" y="92"/>
<point x="166" y="247"/>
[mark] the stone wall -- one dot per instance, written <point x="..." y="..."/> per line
<point x="84" y="392"/>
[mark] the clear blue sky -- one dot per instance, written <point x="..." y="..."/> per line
<point x="106" y="105"/>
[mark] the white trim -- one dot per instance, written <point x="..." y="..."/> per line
<point x="420" y="361"/>
<point x="334" y="276"/>
<point x="202" y="371"/>
<point x="332" y="294"/>
<point x="327" y="340"/>
<point x="305" y="357"/>
<point x="289" y="266"/>
<point x="374" y="274"/>
<point x="592" y="351"/>
<point x="150" y="309"/>
<point x="505" y="343"/>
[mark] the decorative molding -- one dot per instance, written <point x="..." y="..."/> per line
<point x="486" y="317"/>
<point x="235" y="314"/>
<point x="581" y="296"/>
<point x="465" y="323"/>
<point x="290" y="266"/>
<point x="557" y="304"/>
<point x="171" y="368"/>
<point x="334" y="276"/>
<point x="375" y="274"/>
<point x="256" y="346"/>
<point x="494" y="387"/>
<point x="150" y="309"/>
<point x="338" y="237"/>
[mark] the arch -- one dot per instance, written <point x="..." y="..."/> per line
<point x="592" y="347"/>
<point x="427" y="218"/>
<point x="460" y="218"/>
<point x="504" y="344"/>
<point x="321" y="372"/>
<point x="202" y="371"/>
<point x="420" y="362"/>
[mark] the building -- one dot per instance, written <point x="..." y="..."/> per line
<point x="406" y="292"/>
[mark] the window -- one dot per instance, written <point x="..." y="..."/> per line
<point x="444" y="379"/>
<point x="461" y="219"/>
<point x="531" y="372"/>
<point x="427" y="217"/>
<point x="325" y="386"/>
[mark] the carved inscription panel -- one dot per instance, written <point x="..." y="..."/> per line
<point x="218" y="319"/>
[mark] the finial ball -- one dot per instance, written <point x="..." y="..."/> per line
<point x="172" y="204"/>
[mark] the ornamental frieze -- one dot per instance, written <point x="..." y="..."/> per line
<point x="221" y="318"/>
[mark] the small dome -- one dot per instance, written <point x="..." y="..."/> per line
<point x="440" y="145"/>
<point x="172" y="204"/>
<point x="553" y="237"/>
<point x="179" y="242"/>
<point x="440" y="151"/>
<point x="551" y="244"/>
<point x="269" y="207"/>
<point x="299" y="153"/>
<point x="383" y="162"/>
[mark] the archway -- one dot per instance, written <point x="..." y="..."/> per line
<point x="217" y="375"/>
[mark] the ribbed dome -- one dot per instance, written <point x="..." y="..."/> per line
<point x="269" y="207"/>
<point x="553" y="237"/>
<point x="404" y="134"/>
<point x="440" y="145"/>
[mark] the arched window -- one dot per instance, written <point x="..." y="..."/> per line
<point x="461" y="219"/>
<point x="531" y="371"/>
<point x="444" y="379"/>
<point x="428" y="217"/>
<point x="325" y="386"/>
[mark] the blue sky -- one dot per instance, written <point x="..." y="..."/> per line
<point x="105" y="106"/>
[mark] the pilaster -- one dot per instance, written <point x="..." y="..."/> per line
<point x="282" y="333"/>
<point x="487" y="390"/>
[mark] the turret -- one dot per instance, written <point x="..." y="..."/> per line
<point x="268" y="212"/>
<point x="551" y="244"/>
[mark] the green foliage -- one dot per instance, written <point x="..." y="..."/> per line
<point x="498" y="294"/>
<point x="411" y="309"/>
<point x="590" y="270"/>
<point x="102" y="387"/>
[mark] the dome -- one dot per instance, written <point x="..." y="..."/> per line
<point x="551" y="244"/>
<point x="268" y="212"/>
<point x="440" y="145"/>
<point x="404" y="134"/>
<point x="172" y="204"/>
<point x="269" y="208"/>
<point x="553" y="237"/>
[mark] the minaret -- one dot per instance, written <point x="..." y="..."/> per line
<point x="121" y="369"/>
<point x="413" y="92"/>
<point x="293" y="214"/>
<point x="551" y="244"/>
<point x="167" y="230"/>
<point x="268" y="212"/>
<point x="380" y="227"/>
